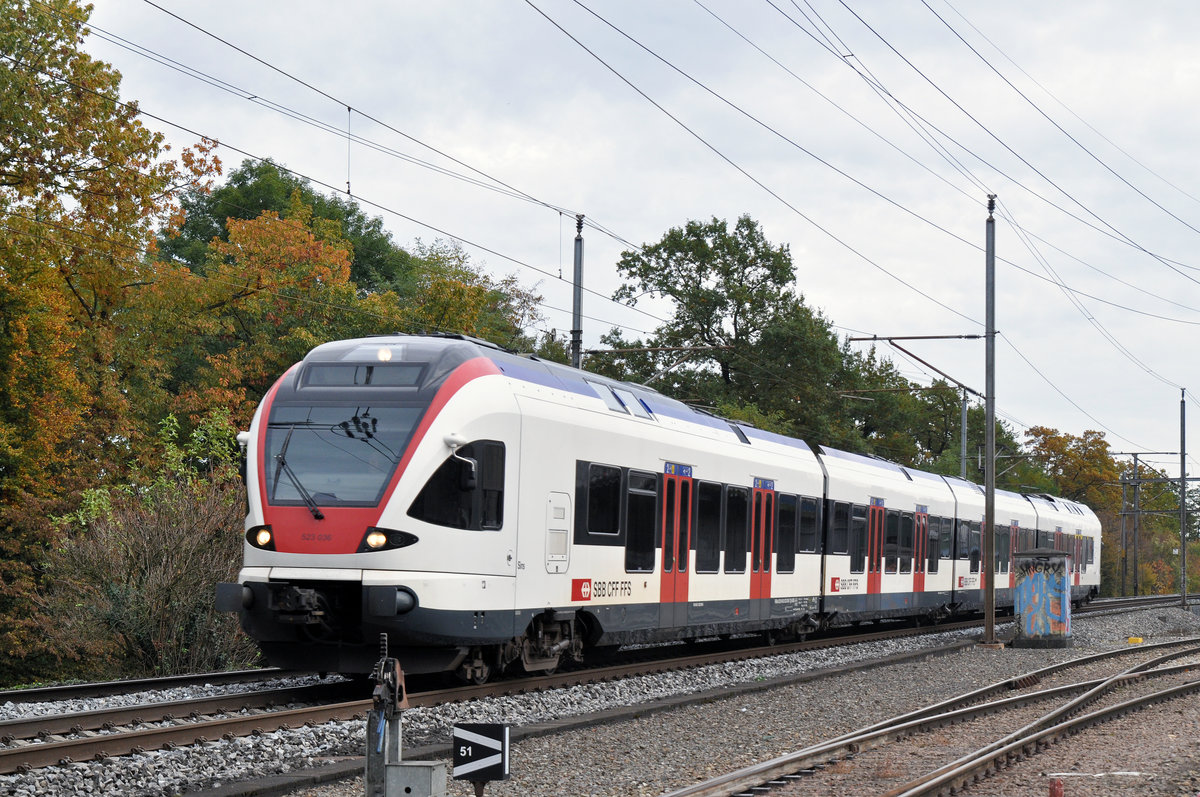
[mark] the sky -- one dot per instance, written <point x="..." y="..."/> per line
<point x="864" y="136"/>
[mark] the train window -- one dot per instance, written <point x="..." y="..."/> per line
<point x="1000" y="539"/>
<point x="974" y="552"/>
<point x="374" y="375"/>
<point x="604" y="500"/>
<point x="964" y="540"/>
<point x="641" y="502"/>
<point x="891" y="541"/>
<point x="708" y="527"/>
<point x="947" y="551"/>
<point x="858" y="536"/>
<point x="810" y="524"/>
<point x="839" y="531"/>
<point x="785" y="541"/>
<point x="907" y="542"/>
<point x="932" y="545"/>
<point x="737" y="516"/>
<point x="454" y="499"/>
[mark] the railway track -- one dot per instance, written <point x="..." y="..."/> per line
<point x="43" y="741"/>
<point x="913" y="755"/>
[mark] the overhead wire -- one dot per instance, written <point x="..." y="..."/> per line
<point x="372" y="118"/>
<point x="333" y="189"/>
<point x="1055" y="124"/>
<point x="1067" y="108"/>
<point x="890" y="99"/>
<point x="152" y="263"/>
<point x="878" y="87"/>
<point x="1012" y="151"/>
<point x="720" y="154"/>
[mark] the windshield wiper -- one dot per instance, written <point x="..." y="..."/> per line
<point x="282" y="466"/>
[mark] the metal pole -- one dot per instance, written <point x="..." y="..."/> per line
<point x="1124" y="538"/>
<point x="577" y="307"/>
<point x="962" y="451"/>
<point x="1137" y="520"/>
<point x="1183" y="579"/>
<point x="988" y="570"/>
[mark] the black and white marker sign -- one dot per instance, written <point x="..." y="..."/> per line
<point x="480" y="751"/>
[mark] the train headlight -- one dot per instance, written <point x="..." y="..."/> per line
<point x="378" y="539"/>
<point x="261" y="537"/>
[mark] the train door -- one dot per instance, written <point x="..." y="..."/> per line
<point x="920" y="548"/>
<point x="875" y="524"/>
<point x="676" y="537"/>
<point x="762" y="542"/>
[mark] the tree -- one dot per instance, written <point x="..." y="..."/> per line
<point x="256" y="187"/>
<point x="758" y="351"/>
<point x="83" y="185"/>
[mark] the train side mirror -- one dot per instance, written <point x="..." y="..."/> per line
<point x="469" y="475"/>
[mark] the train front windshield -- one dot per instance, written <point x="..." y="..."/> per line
<point x="336" y="455"/>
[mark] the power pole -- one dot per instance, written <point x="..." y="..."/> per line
<point x="1183" y="480"/>
<point x="577" y="305"/>
<point x="988" y="569"/>
<point x="1137" y="520"/>
<point x="962" y="438"/>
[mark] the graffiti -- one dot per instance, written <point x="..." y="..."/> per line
<point x="1043" y="602"/>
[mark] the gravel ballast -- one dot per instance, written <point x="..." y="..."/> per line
<point x="646" y="755"/>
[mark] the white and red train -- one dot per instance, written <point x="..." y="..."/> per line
<point x="486" y="509"/>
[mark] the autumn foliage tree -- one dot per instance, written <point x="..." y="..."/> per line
<point x="83" y="186"/>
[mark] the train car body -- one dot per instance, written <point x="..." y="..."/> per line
<point x="486" y="510"/>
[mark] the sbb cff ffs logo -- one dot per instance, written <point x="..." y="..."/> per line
<point x="581" y="589"/>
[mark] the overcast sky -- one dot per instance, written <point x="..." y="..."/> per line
<point x="866" y="140"/>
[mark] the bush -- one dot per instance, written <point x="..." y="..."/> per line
<point x="132" y="585"/>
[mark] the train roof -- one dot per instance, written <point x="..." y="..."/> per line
<point x="442" y="353"/>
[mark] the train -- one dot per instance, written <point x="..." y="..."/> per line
<point x="490" y="511"/>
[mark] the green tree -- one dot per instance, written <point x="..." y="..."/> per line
<point x="757" y="350"/>
<point x="257" y="187"/>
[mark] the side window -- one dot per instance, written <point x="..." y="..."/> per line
<point x="785" y="534"/>
<point x="708" y="527"/>
<point x="891" y="541"/>
<point x="604" y="500"/>
<point x="932" y="546"/>
<point x="858" y="535"/>
<point x="839" y="531"/>
<point x="810" y="524"/>
<point x="947" y="550"/>
<point x="907" y="541"/>
<point x="974" y="552"/>
<point x="641" y="501"/>
<point x="737" y="515"/>
<point x="466" y="491"/>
